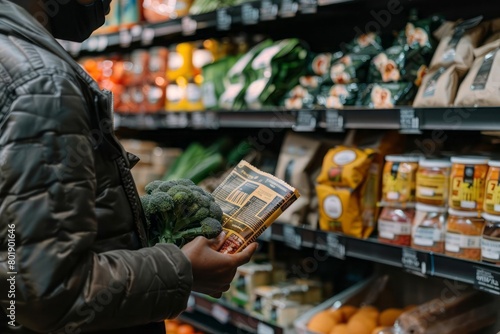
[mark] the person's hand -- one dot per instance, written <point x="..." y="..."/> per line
<point x="214" y="271"/>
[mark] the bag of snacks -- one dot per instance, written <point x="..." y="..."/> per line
<point x="369" y="43"/>
<point x="481" y="86"/>
<point x="339" y="210"/>
<point x="319" y="63"/>
<point x="304" y="94"/>
<point x="457" y="43"/>
<point x="438" y="89"/>
<point x="397" y="64"/>
<point x="337" y="96"/>
<point x="345" y="167"/>
<point x="418" y="34"/>
<point x="387" y="95"/>
<point x="350" y="68"/>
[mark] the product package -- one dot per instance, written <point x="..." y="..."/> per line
<point x="417" y="34"/>
<point x="439" y="88"/>
<point x="457" y="43"/>
<point x="297" y="156"/>
<point x="163" y="10"/>
<point x="481" y="85"/>
<point x="337" y="96"/>
<point x="251" y="201"/>
<point x="387" y="95"/>
<point x="212" y="86"/>
<point x="369" y="43"/>
<point x="350" y="68"/>
<point x="397" y="64"/>
<point x="304" y="94"/>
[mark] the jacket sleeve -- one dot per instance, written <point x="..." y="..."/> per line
<point x="47" y="192"/>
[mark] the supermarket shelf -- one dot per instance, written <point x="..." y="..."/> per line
<point x="483" y="276"/>
<point x="405" y="119"/>
<point x="228" y="317"/>
<point x="208" y="324"/>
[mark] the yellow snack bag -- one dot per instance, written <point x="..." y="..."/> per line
<point x="339" y="210"/>
<point x="345" y="167"/>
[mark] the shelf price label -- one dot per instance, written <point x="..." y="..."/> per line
<point x="148" y="34"/>
<point x="204" y="120"/>
<point x="125" y="38"/>
<point x="289" y="8"/>
<point x="487" y="280"/>
<point x="188" y="26"/>
<point x="414" y="262"/>
<point x="249" y="14"/>
<point x="220" y="313"/>
<point x="306" y="121"/>
<point x="176" y="120"/>
<point x="335" y="246"/>
<point x="334" y="121"/>
<point x="291" y="237"/>
<point x="308" y="6"/>
<point x="268" y="10"/>
<point x="409" y="121"/>
<point x="224" y="19"/>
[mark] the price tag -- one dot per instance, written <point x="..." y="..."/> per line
<point x="176" y="120"/>
<point x="188" y="26"/>
<point x="136" y="32"/>
<point x="249" y="14"/>
<point x="409" y="121"/>
<point x="414" y="262"/>
<point x="291" y="237"/>
<point x="306" y="121"/>
<point x="92" y="44"/>
<point x="289" y="8"/>
<point x="204" y="120"/>
<point x="266" y="235"/>
<point x="487" y="280"/>
<point x="102" y="43"/>
<point x="262" y="328"/>
<point x="125" y="38"/>
<point x="335" y="246"/>
<point x="220" y="313"/>
<point x="334" y="121"/>
<point x="148" y="34"/>
<point x="224" y="19"/>
<point x="308" y="6"/>
<point x="268" y="10"/>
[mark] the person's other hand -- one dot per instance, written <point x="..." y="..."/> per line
<point x="214" y="271"/>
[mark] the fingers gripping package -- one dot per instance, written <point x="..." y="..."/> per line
<point x="251" y="200"/>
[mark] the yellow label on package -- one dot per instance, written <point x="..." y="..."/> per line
<point x="251" y="201"/>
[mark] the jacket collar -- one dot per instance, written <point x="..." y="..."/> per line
<point x="16" y="21"/>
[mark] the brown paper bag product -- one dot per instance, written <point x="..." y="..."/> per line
<point x="345" y="167"/>
<point x="339" y="210"/>
<point x="456" y="46"/>
<point x="481" y="86"/>
<point x="438" y="89"/>
<point x="297" y="154"/>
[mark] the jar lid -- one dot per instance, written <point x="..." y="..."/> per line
<point x="439" y="163"/>
<point x="494" y="163"/>
<point x="470" y="160"/>
<point x="459" y="213"/>
<point x="430" y="208"/>
<point x="402" y="158"/>
<point x="491" y="217"/>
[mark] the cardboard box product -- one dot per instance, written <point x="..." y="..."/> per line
<point x="248" y="278"/>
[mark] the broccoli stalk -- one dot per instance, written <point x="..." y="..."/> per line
<point x="179" y="211"/>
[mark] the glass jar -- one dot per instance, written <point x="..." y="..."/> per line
<point x="468" y="175"/>
<point x="399" y="179"/>
<point x="433" y="178"/>
<point x="463" y="234"/>
<point x="492" y="189"/>
<point x="429" y="228"/>
<point x="394" y="226"/>
<point x="490" y="242"/>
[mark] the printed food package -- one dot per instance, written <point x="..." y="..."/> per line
<point x="248" y="277"/>
<point x="237" y="79"/>
<point x="395" y="225"/>
<point x="429" y="226"/>
<point x="417" y="34"/>
<point x="492" y="189"/>
<point x="438" y="89"/>
<point x="457" y="43"/>
<point x="490" y="241"/>
<point x="397" y="64"/>
<point x="213" y="81"/>
<point x="369" y="43"/>
<point x="467" y="182"/>
<point x="163" y="10"/>
<point x="251" y="200"/>
<point x="399" y="179"/>
<point x="304" y="94"/>
<point x="481" y="85"/>
<point x="433" y="181"/>
<point x="337" y="96"/>
<point x="318" y="64"/>
<point x="350" y="68"/>
<point x="297" y="156"/>
<point x="387" y="95"/>
<point x="345" y="167"/>
<point x="274" y="71"/>
<point x="463" y="234"/>
<point x="339" y="210"/>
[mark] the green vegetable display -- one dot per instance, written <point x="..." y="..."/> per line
<point x="178" y="211"/>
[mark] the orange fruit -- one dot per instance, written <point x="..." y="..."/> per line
<point x="378" y="330"/>
<point x="185" y="329"/>
<point x="361" y="325"/>
<point x="321" y="322"/>
<point x="340" y="329"/>
<point x="337" y="316"/>
<point x="348" y="311"/>
<point x="389" y="316"/>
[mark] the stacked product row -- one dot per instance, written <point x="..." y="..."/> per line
<point x="457" y="209"/>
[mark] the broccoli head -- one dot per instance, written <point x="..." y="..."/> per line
<point x="178" y="211"/>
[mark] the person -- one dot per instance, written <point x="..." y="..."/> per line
<point x="73" y="251"/>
